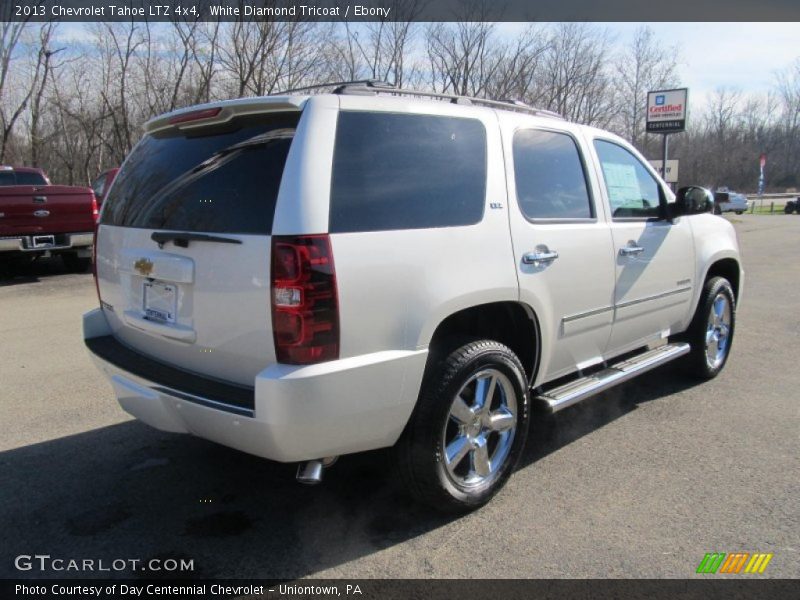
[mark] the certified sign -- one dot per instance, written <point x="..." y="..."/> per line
<point x="672" y="169"/>
<point x="666" y="110"/>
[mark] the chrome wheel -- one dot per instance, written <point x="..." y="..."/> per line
<point x="480" y="428"/>
<point x="718" y="329"/>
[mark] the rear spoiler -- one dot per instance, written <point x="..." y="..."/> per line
<point x="221" y="112"/>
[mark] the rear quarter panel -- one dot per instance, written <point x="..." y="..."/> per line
<point x="395" y="287"/>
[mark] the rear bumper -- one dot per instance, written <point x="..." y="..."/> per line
<point x="298" y="413"/>
<point x="34" y="243"/>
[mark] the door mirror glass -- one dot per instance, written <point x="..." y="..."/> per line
<point x="693" y="200"/>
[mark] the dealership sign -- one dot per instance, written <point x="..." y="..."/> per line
<point x="666" y="110"/>
<point x="671" y="174"/>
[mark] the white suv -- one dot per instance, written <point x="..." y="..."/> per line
<point x="305" y="276"/>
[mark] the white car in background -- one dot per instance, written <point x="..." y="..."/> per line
<point x="726" y="201"/>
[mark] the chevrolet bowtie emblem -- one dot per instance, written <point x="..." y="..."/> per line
<point x="144" y="266"/>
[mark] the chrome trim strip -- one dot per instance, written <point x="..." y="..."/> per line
<point x="588" y="313"/>
<point x="653" y="297"/>
<point x="597" y="311"/>
<point x="231" y="408"/>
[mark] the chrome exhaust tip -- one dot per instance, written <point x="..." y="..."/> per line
<point x="310" y="472"/>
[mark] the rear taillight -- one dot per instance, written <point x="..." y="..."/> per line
<point x="95" y="211"/>
<point x="94" y="262"/>
<point x="305" y="307"/>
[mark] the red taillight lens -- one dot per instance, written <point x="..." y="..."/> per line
<point x="305" y="307"/>
<point x="195" y="115"/>
<point x="94" y="261"/>
<point x="95" y="211"/>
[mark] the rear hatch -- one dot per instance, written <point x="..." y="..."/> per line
<point x="183" y="248"/>
<point x="28" y="209"/>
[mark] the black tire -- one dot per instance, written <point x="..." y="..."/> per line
<point x="75" y="263"/>
<point x="788" y="209"/>
<point x="717" y="210"/>
<point x="698" y="362"/>
<point x="738" y="212"/>
<point x="420" y="452"/>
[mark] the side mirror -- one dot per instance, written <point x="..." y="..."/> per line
<point x="693" y="200"/>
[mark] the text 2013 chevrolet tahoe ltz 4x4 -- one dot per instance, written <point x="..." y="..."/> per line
<point x="305" y="276"/>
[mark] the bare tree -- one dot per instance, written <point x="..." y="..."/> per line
<point x="574" y="81"/>
<point x="519" y="65"/>
<point x="788" y="89"/>
<point x="642" y="66"/>
<point x="10" y="108"/>
<point x="44" y="67"/>
<point x="118" y="44"/>
<point x="461" y="57"/>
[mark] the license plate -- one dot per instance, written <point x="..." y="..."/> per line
<point x="43" y="241"/>
<point x="160" y="301"/>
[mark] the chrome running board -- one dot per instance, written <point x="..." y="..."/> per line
<point x="579" y="389"/>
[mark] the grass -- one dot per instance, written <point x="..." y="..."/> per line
<point x="765" y="210"/>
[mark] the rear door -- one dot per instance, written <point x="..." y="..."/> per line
<point x="562" y="244"/>
<point x="183" y="255"/>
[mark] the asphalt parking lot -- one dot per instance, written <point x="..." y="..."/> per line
<point x="641" y="481"/>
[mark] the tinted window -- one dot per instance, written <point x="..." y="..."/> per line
<point x="399" y="171"/>
<point x="632" y="191"/>
<point x="7" y="178"/>
<point x="551" y="183"/>
<point x="30" y="178"/>
<point x="221" y="180"/>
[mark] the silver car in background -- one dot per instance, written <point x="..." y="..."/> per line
<point x="730" y="202"/>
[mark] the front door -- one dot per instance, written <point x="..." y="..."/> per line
<point x="654" y="256"/>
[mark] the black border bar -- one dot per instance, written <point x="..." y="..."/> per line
<point x="706" y="588"/>
<point x="403" y="10"/>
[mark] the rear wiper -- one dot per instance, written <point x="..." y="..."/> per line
<point x="182" y="238"/>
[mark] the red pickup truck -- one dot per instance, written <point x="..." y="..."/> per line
<point x="38" y="218"/>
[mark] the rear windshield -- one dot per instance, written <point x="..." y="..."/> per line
<point x="21" y="178"/>
<point x="406" y="171"/>
<point x="223" y="179"/>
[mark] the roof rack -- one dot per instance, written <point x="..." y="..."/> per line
<point x="337" y="85"/>
<point x="376" y="86"/>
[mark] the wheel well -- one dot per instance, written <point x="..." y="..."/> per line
<point x="727" y="268"/>
<point x="509" y="323"/>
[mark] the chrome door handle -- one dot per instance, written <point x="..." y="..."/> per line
<point x="539" y="258"/>
<point x="631" y="250"/>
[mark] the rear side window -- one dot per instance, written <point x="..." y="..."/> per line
<point x="403" y="171"/>
<point x="219" y="180"/>
<point x="551" y="182"/>
<point x="632" y="191"/>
